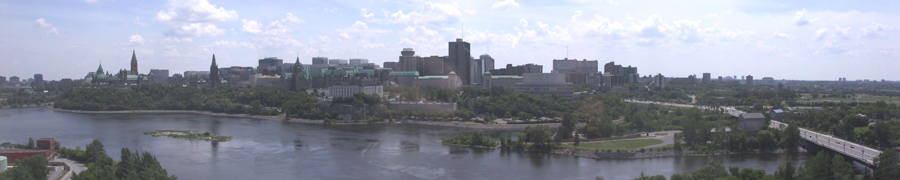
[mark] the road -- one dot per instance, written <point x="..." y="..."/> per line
<point x="75" y="167"/>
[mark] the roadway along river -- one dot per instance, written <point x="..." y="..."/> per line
<point x="267" y="149"/>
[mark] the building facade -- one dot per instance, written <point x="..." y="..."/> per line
<point x="549" y="84"/>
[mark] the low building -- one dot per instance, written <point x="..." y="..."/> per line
<point x="451" y="81"/>
<point x="751" y="122"/>
<point x="777" y="114"/>
<point x="504" y="81"/>
<point x="403" y="78"/>
<point x="550" y="84"/>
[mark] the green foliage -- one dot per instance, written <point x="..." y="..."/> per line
<point x="160" y="97"/>
<point x="206" y="136"/>
<point x="886" y="165"/>
<point x="474" y="139"/>
<point x="786" y="171"/>
<point x="30" y="143"/>
<point x="133" y="165"/>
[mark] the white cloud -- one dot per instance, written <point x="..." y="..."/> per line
<point x="821" y="34"/>
<point x="177" y="40"/>
<point x="195" y="30"/>
<point x="366" y="14"/>
<point x="713" y="15"/>
<point x="577" y="14"/>
<point x="136" y="39"/>
<point x="523" y="22"/>
<point x="688" y="31"/>
<point x="800" y="18"/>
<point x="193" y="18"/>
<point x="780" y="35"/>
<point x="874" y="30"/>
<point x="505" y="4"/>
<point x="360" y="30"/>
<point x="251" y="27"/>
<point x="137" y="22"/>
<point x="430" y="13"/>
<point x="41" y="23"/>
<point x="653" y="27"/>
<point x="194" y="11"/>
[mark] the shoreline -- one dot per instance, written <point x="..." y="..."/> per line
<point x="656" y="154"/>
<point x="513" y="127"/>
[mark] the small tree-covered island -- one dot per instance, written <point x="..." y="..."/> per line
<point x="181" y="134"/>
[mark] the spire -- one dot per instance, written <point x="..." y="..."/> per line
<point x="134" y="67"/>
<point x="214" y="73"/>
<point x="99" y="69"/>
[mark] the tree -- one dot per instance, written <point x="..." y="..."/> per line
<point x="576" y="139"/>
<point x="35" y="165"/>
<point x="786" y="171"/>
<point x="791" y="138"/>
<point x="842" y="169"/>
<point x="817" y="167"/>
<point x="886" y="165"/>
<point x="30" y="143"/>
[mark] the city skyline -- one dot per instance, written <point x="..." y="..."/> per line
<point x="813" y="41"/>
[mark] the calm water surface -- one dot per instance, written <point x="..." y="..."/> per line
<point x="267" y="149"/>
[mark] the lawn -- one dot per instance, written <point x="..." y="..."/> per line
<point x="853" y="98"/>
<point x="628" y="144"/>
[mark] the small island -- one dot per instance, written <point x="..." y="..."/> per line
<point x="181" y="134"/>
<point x="475" y="139"/>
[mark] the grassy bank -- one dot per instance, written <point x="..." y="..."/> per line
<point x="628" y="144"/>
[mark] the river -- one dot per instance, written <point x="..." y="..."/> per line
<point x="268" y="149"/>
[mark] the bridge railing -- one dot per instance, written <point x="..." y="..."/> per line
<point x="856" y="151"/>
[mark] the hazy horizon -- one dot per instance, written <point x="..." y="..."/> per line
<point x="803" y="40"/>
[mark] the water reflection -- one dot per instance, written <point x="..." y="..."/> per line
<point x="266" y="149"/>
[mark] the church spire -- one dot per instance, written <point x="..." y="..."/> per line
<point x="99" y="69"/>
<point x="134" y="68"/>
<point x="214" y="73"/>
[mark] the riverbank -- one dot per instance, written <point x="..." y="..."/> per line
<point x="655" y="154"/>
<point x="487" y="127"/>
<point x="469" y="125"/>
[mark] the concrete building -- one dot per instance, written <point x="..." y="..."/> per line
<point x="478" y="72"/>
<point x="518" y="70"/>
<point x="404" y="78"/>
<point x="335" y="62"/>
<point x="389" y="65"/>
<point x="38" y="80"/>
<point x="408" y="60"/>
<point x="434" y="66"/>
<point x="659" y="81"/>
<point x="159" y="76"/>
<point x="749" y="80"/>
<point x="267" y="66"/>
<point x="551" y="84"/>
<point x="2" y="81"/>
<point x="451" y="81"/>
<point x="707" y="78"/>
<point x="618" y="75"/>
<point x="751" y="122"/>
<point x="357" y="62"/>
<point x="488" y="62"/>
<point x="503" y="81"/>
<point x="460" y="57"/>
<point x="355" y="85"/>
<point x="320" y="61"/>
<point x="576" y="71"/>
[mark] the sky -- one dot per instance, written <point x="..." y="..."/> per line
<point x="794" y="40"/>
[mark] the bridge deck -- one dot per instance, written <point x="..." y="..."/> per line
<point x="859" y="152"/>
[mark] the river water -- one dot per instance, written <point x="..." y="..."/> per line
<point x="267" y="149"/>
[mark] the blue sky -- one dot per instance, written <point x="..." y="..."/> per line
<point x="807" y="40"/>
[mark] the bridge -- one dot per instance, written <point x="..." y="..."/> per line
<point x="856" y="151"/>
<point x="859" y="152"/>
<point x="726" y="109"/>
